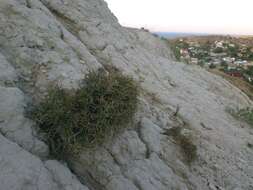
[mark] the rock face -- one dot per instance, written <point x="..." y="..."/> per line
<point x="58" y="41"/>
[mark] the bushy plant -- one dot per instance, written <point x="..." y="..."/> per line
<point x="105" y="103"/>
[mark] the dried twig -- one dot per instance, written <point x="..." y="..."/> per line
<point x="177" y="111"/>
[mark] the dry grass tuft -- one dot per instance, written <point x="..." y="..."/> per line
<point x="105" y="103"/>
<point x="188" y="149"/>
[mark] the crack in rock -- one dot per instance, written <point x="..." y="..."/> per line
<point x="121" y="169"/>
<point x="138" y="130"/>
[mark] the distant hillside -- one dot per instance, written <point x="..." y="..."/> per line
<point x="172" y="35"/>
<point x="247" y="40"/>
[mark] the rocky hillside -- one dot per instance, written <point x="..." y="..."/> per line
<point x="58" y="41"/>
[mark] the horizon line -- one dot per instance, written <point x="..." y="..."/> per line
<point x="201" y="33"/>
<point x="188" y="32"/>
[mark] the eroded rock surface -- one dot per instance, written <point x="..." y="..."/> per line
<point x="58" y="41"/>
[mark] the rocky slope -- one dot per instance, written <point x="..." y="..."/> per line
<point x="58" y="41"/>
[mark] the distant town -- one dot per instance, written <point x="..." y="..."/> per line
<point x="231" y="55"/>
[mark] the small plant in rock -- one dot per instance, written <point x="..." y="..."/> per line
<point x="250" y="145"/>
<point x="105" y="103"/>
<point x="243" y="114"/>
<point x="188" y="149"/>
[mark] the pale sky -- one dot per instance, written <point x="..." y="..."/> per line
<point x="202" y="16"/>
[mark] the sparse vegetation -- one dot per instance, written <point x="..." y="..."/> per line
<point x="105" y="103"/>
<point x="176" y="52"/>
<point x="243" y="114"/>
<point x="187" y="147"/>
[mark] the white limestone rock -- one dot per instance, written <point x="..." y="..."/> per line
<point x="65" y="179"/>
<point x="151" y="135"/>
<point x="7" y="72"/>
<point x="14" y="125"/>
<point x="22" y="170"/>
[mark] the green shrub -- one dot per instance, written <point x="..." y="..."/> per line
<point x="105" y="103"/>
<point x="176" y="51"/>
<point x="188" y="149"/>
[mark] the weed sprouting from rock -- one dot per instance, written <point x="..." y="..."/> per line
<point x="188" y="149"/>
